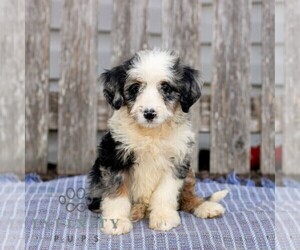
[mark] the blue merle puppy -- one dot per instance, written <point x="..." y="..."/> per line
<point x="143" y="164"/>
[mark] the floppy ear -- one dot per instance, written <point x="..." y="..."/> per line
<point x="190" y="91"/>
<point x="113" y="81"/>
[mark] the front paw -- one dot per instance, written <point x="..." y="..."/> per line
<point x="209" y="209"/>
<point x="164" y="220"/>
<point x="116" y="226"/>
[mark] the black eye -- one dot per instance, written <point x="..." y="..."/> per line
<point x="134" y="88"/>
<point x="166" y="87"/>
<point x="108" y="95"/>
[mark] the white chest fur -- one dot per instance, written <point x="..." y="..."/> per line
<point x="155" y="150"/>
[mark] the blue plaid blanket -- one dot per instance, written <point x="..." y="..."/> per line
<point x="57" y="218"/>
<point x="12" y="212"/>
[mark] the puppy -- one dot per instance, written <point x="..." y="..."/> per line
<point x="143" y="164"/>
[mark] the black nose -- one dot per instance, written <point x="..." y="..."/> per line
<point x="149" y="114"/>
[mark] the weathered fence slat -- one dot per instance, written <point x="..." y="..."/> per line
<point x="181" y="33"/>
<point x="77" y="96"/>
<point x="230" y="105"/>
<point x="37" y="38"/>
<point x="138" y="25"/>
<point x="291" y="138"/>
<point x="129" y="29"/>
<point x="267" y="162"/>
<point x="12" y="87"/>
<point x="120" y="33"/>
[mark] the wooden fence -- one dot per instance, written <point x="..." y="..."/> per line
<point x="78" y="110"/>
<point x="12" y="87"/>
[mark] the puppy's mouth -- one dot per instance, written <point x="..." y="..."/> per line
<point x="149" y="118"/>
<point x="149" y="123"/>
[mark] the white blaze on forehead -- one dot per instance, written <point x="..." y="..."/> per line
<point x="152" y="66"/>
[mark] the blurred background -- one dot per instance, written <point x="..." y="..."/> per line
<point x="246" y="53"/>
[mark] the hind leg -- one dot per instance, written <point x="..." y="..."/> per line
<point x="209" y="209"/>
<point x="200" y="207"/>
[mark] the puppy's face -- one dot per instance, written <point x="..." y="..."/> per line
<point x="150" y="90"/>
<point x="151" y="84"/>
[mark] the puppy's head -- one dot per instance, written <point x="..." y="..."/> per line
<point x="152" y="84"/>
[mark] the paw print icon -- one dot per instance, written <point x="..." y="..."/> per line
<point x="75" y="200"/>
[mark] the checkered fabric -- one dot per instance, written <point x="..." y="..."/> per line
<point x="249" y="221"/>
<point x="12" y="212"/>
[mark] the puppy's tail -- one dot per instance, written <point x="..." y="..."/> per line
<point x="217" y="196"/>
<point x="189" y="200"/>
